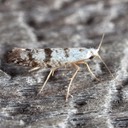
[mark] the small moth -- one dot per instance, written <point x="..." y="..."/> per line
<point x="54" y="58"/>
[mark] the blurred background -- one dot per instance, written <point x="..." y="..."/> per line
<point x="65" y="23"/>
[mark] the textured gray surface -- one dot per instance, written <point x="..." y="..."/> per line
<point x="65" y="23"/>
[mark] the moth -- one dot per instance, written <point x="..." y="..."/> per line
<point x="54" y="58"/>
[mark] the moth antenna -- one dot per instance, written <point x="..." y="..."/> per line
<point x="105" y="65"/>
<point x="100" y="43"/>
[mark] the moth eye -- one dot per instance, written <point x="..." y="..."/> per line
<point x="28" y="49"/>
<point x="91" y="57"/>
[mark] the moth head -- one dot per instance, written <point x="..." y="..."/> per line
<point x="95" y="53"/>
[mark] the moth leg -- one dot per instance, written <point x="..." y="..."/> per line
<point x="50" y="73"/>
<point x="91" y="71"/>
<point x="34" y="69"/>
<point x="72" y="78"/>
<point x="53" y="71"/>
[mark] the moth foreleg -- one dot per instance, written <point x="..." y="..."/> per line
<point x="71" y="80"/>
<point x="89" y="69"/>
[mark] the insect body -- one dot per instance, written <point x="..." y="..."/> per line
<point x="50" y="57"/>
<point x="54" y="58"/>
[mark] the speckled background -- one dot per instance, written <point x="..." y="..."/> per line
<point x="65" y="23"/>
